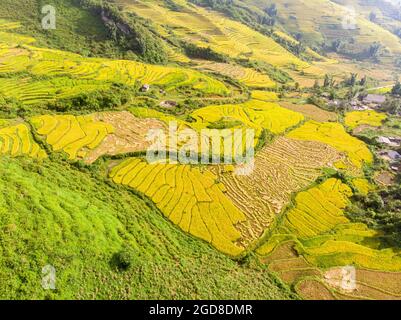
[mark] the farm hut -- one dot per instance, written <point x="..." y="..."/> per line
<point x="145" y="88"/>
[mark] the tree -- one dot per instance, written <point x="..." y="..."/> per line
<point x="351" y="81"/>
<point x="363" y="81"/>
<point x="372" y="16"/>
<point x="396" y="89"/>
<point x="374" y="50"/>
<point x="328" y="81"/>
<point x="272" y="10"/>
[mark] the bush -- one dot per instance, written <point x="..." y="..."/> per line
<point x="126" y="258"/>
<point x="98" y="100"/>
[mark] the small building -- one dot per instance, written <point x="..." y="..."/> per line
<point x="374" y="99"/>
<point x="389" y="141"/>
<point x="390" y="155"/>
<point x="145" y="88"/>
<point x="168" y="104"/>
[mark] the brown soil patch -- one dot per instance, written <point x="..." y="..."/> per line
<point x="129" y="135"/>
<point x="310" y="111"/>
<point x="284" y="167"/>
<point x="313" y="290"/>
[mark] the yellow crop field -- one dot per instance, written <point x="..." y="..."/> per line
<point x="319" y="209"/>
<point x="342" y="253"/>
<point x="207" y="28"/>
<point x="8" y="25"/>
<point x="73" y="74"/>
<point x="334" y="135"/>
<point x="253" y="114"/>
<point x="267" y="96"/>
<point x="362" y="185"/>
<point x="191" y="199"/>
<point x="367" y="117"/>
<point x="247" y="76"/>
<point x="75" y="135"/>
<point x="17" y="140"/>
<point x="325" y="237"/>
<point x="280" y="169"/>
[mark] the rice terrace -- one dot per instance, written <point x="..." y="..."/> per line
<point x="306" y="101"/>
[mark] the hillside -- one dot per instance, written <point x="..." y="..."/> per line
<point x="202" y="149"/>
<point x="320" y="23"/>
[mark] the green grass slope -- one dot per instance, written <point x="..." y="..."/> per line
<point x="51" y="213"/>
<point x="77" y="30"/>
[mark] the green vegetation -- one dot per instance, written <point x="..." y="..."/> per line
<point x="94" y="232"/>
<point x="380" y="211"/>
<point x="77" y="29"/>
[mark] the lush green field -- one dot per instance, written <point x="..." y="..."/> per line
<point x="77" y="30"/>
<point x="54" y="214"/>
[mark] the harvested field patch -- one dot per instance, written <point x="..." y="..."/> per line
<point x="129" y="134"/>
<point x="280" y="169"/>
<point x="310" y="111"/>
<point x="313" y="290"/>
<point x="334" y="135"/>
<point x="369" y="288"/>
<point x="385" y="178"/>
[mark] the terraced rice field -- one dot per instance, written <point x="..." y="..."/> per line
<point x="319" y="209"/>
<point x="310" y="111"/>
<point x="129" y="134"/>
<point x="371" y="118"/>
<point x="207" y="28"/>
<point x="281" y="168"/>
<point x="266" y="96"/>
<point x="362" y="185"/>
<point x="253" y="114"/>
<point x="17" y="140"/>
<point x="334" y="135"/>
<point x="247" y="76"/>
<point x="8" y="25"/>
<point x="325" y="237"/>
<point x="31" y="92"/>
<point x="72" y="74"/>
<point x="75" y="135"/>
<point x="315" y="238"/>
<point x="311" y="282"/>
<point x="190" y="198"/>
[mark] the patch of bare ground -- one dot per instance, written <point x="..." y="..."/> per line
<point x="311" y="289"/>
<point x="310" y="111"/>
<point x="385" y="178"/>
<point x="281" y="168"/>
<point x="129" y="135"/>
